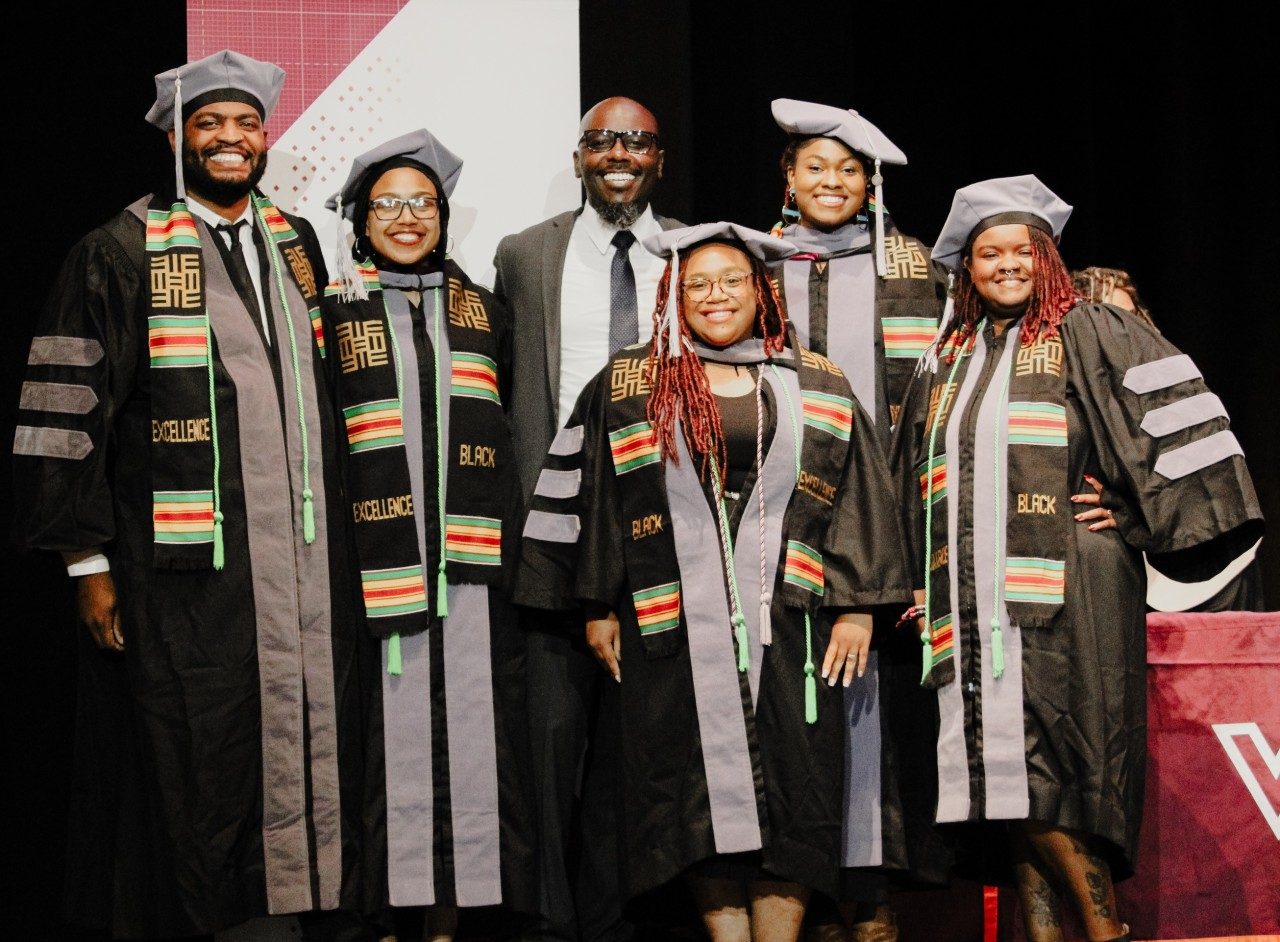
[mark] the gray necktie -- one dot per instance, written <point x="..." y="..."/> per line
<point x="624" y="327"/>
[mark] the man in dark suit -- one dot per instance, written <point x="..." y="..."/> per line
<point x="579" y="286"/>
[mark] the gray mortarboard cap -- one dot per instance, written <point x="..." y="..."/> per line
<point x="847" y="126"/>
<point x="809" y="118"/>
<point x="1005" y="200"/>
<point x="671" y="242"/>
<point x="763" y="246"/>
<point x="420" y="145"/>
<point x="261" y="82"/>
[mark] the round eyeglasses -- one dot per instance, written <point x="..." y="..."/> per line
<point x="388" y="208"/>
<point x="601" y="140"/>
<point x="699" y="289"/>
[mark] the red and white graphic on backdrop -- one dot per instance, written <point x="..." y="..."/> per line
<point x="495" y="80"/>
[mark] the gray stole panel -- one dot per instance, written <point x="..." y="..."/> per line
<point x="473" y="758"/>
<point x="861" y="841"/>
<point x="407" y="698"/>
<point x="795" y="291"/>
<point x="731" y="791"/>
<point x="952" y="754"/>
<point x="779" y="484"/>
<point x="851" y="324"/>
<point x="1004" y="760"/>
<point x="468" y="671"/>
<point x="292" y="614"/>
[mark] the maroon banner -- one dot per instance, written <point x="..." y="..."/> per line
<point x="1209" y="863"/>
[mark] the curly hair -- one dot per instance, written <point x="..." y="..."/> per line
<point x="1099" y="284"/>
<point x="1052" y="295"/>
<point x="679" y="386"/>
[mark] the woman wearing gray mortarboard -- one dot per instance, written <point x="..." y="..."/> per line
<point x="719" y="507"/>
<point x="1033" y="625"/>
<point x="421" y="358"/>
<point x="862" y="293"/>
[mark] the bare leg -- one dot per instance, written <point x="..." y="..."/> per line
<point x="440" y="924"/>
<point x="870" y="922"/>
<point x="722" y="903"/>
<point x="1041" y="903"/>
<point x="1083" y="875"/>
<point x="777" y="910"/>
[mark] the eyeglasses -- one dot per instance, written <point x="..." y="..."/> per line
<point x="388" y="208"/>
<point x="699" y="289"/>
<point x="601" y="140"/>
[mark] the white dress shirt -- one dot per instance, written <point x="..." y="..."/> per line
<point x="247" y="247"/>
<point x="584" y="298"/>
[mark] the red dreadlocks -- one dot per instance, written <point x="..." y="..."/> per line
<point x="679" y="384"/>
<point x="1052" y="296"/>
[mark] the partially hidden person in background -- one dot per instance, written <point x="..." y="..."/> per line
<point x="579" y="286"/>
<point x="1208" y="580"/>
<point x="863" y="293"/>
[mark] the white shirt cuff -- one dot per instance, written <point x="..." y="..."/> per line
<point x="84" y="562"/>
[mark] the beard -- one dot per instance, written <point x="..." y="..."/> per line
<point x="219" y="192"/>
<point x="619" y="215"/>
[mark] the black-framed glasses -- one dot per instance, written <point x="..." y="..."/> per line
<point x="733" y="283"/>
<point x="601" y="140"/>
<point x="388" y="208"/>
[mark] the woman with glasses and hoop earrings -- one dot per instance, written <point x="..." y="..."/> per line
<point x="718" y="506"/>
<point x="420" y="354"/>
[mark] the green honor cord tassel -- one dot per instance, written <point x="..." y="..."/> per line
<point x="442" y="593"/>
<point x="395" y="666"/>
<point x="219" y="550"/>
<point x="810" y="682"/>
<point x="997" y="648"/>
<point x="308" y="516"/>
<point x="744" y="643"/>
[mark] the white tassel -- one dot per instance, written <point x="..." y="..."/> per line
<point x="353" y="286"/>
<point x="673" y="306"/>
<point x="766" y="622"/>
<point x="882" y="259"/>
<point x="179" y="138"/>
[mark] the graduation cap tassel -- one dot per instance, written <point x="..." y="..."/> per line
<point x="179" y="138"/>
<point x="395" y="666"/>
<point x="930" y="359"/>
<point x="352" y="283"/>
<point x="882" y="260"/>
<point x="673" y="306"/>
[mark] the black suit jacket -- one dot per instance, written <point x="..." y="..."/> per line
<point x="530" y="270"/>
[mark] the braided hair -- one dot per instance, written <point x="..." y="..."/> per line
<point x="1052" y="296"/>
<point x="679" y="386"/>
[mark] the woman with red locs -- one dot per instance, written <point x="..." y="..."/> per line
<point x="1033" y="627"/>
<point x="731" y="522"/>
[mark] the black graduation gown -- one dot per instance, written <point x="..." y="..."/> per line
<point x="177" y="847"/>
<point x="504" y="848"/>
<point x="666" y="811"/>
<point x="905" y="308"/>
<point x="1083" y="717"/>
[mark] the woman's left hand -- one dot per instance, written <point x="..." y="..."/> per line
<point x="849" y="648"/>
<point x="1098" y="517"/>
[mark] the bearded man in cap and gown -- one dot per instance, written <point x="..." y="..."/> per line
<point x="174" y="444"/>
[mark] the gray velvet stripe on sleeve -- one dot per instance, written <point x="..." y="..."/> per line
<point x="1183" y="414"/>
<point x="1160" y="374"/>
<point x="1197" y="455"/>
<point x="559" y="484"/>
<point x="68" y="398"/>
<point x="64" y="351"/>
<point x="36" y="442"/>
